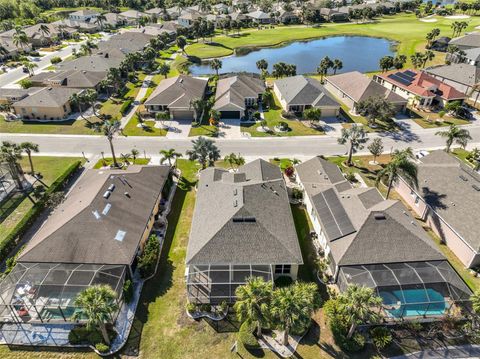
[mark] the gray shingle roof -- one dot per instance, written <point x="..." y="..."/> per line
<point x="177" y="92"/>
<point x="126" y="42"/>
<point x="462" y="73"/>
<point x="359" y="87"/>
<point x="71" y="78"/>
<point x="96" y="62"/>
<point x="467" y="41"/>
<point x="384" y="231"/>
<point x="73" y="234"/>
<point x="301" y="90"/>
<point x="48" y="97"/>
<point x="219" y="236"/>
<point x="453" y="198"/>
<point x="234" y="90"/>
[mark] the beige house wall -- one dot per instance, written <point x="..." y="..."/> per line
<point x="43" y="113"/>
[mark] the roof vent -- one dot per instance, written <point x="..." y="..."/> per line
<point x="475" y="187"/>
<point x="106" y="194"/>
<point x="235" y="203"/>
<point x="127" y="194"/>
<point x="379" y="216"/>
<point x="234" y="191"/>
<point x="463" y="178"/>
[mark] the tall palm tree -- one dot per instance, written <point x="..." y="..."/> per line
<point x="100" y="20"/>
<point x="162" y="116"/>
<point x="163" y="69"/>
<point x="360" y="305"/>
<point x="29" y="148"/>
<point x="198" y="105"/>
<point x="337" y="65"/>
<point x="204" y="151"/>
<point x="216" y="65"/>
<point x="135" y="154"/>
<point x="454" y="134"/>
<point x="400" y="164"/>
<point x="44" y="31"/>
<point x="98" y="304"/>
<point x="428" y="56"/>
<point x="356" y="137"/>
<point x="169" y="155"/>
<point x="109" y="129"/>
<point x="262" y="65"/>
<point x="253" y="301"/>
<point x="19" y="38"/>
<point x="11" y="154"/>
<point x="233" y="160"/>
<point x="30" y="66"/>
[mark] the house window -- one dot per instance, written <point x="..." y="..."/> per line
<point x="417" y="200"/>
<point x="282" y="269"/>
<point x="412" y="194"/>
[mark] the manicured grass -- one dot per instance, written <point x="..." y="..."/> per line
<point x="131" y="128"/>
<point x="50" y="168"/>
<point x="78" y="127"/>
<point x="202" y="130"/>
<point x="108" y="161"/>
<point x="431" y="121"/>
<point x="405" y="29"/>
<point x="273" y="117"/>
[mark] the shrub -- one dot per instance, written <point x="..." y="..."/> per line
<point x="289" y="171"/>
<point x="297" y="193"/>
<point x="25" y="83"/>
<point x="350" y="176"/>
<point x="149" y="257"/>
<point x="283" y="281"/>
<point x="125" y="106"/>
<point x="246" y="337"/>
<point x="224" y="306"/>
<point x="55" y="60"/>
<point x="381" y="337"/>
<point x="34" y="53"/>
<point x="191" y="307"/>
<point x="128" y="291"/>
<point x="256" y="115"/>
<point x="102" y="348"/>
<point x="81" y="335"/>
<point x="282" y="125"/>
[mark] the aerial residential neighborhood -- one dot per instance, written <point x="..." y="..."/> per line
<point x="240" y="178"/>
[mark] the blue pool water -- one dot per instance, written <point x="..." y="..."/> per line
<point x="432" y="302"/>
<point x="356" y="52"/>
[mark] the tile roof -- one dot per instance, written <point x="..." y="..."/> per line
<point x="83" y="228"/>
<point x="243" y="218"/>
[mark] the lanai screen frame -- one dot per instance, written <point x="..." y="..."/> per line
<point x="437" y="275"/>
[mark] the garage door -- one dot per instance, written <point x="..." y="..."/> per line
<point x="329" y="112"/>
<point x="182" y="115"/>
<point x="230" y="114"/>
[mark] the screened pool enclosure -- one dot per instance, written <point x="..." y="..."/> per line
<point x="418" y="289"/>
<point x="44" y="292"/>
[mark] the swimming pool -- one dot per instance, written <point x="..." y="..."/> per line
<point x="417" y="302"/>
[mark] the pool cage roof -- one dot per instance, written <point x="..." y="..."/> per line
<point x="54" y="284"/>
<point x="432" y="275"/>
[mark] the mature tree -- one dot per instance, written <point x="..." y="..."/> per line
<point x="204" y="151"/>
<point x="376" y="148"/>
<point x="98" y="304"/>
<point x="29" y="148"/>
<point x="455" y="134"/>
<point x="134" y="152"/>
<point x="386" y="63"/>
<point x="356" y="137"/>
<point x="169" y="155"/>
<point x="100" y="20"/>
<point x="313" y="114"/>
<point x="44" y="32"/>
<point x="399" y="61"/>
<point x="216" y="65"/>
<point x="198" y="105"/>
<point x="234" y="160"/>
<point x="475" y="299"/>
<point x="417" y="59"/>
<point x="376" y="108"/>
<point x="30" y="66"/>
<point x="359" y="305"/>
<point x="11" y="154"/>
<point x="337" y="65"/>
<point x="428" y="56"/>
<point x="181" y="43"/>
<point x="163" y="69"/>
<point x="400" y="164"/>
<point x="109" y="129"/>
<point x="262" y="65"/>
<point x="19" y="38"/>
<point x="253" y="302"/>
<point x="324" y="66"/>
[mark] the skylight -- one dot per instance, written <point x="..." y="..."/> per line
<point x="120" y="235"/>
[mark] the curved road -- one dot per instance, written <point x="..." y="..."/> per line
<point x="74" y="145"/>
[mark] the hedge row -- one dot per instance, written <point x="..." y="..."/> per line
<point x="125" y="106"/>
<point x="9" y="242"/>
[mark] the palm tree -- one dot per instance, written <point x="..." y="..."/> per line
<point x="216" y="65"/>
<point x="44" y="31"/>
<point x="98" y="304"/>
<point x="204" y="151"/>
<point x="109" y="129"/>
<point x="169" y="155"/>
<point x="30" y="66"/>
<point x="134" y="152"/>
<point x="337" y="65"/>
<point x="100" y="20"/>
<point x="454" y="134"/>
<point x="20" y="38"/>
<point x="475" y="300"/>
<point x="198" y="106"/>
<point x="262" y="65"/>
<point x="11" y="154"/>
<point x="233" y="160"/>
<point x="360" y="305"/>
<point x="355" y="136"/>
<point x="400" y="164"/>
<point x="428" y="56"/>
<point x="181" y="43"/>
<point x="253" y="301"/>
<point x="163" y="69"/>
<point x="29" y="148"/>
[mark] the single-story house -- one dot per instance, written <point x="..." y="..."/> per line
<point x="238" y="16"/>
<point x="132" y="16"/>
<point x="221" y="8"/>
<point x="11" y="95"/>
<point x="377" y="243"/>
<point x="419" y="87"/>
<point x="126" y="42"/>
<point x="472" y="56"/>
<point x="187" y="18"/>
<point x="113" y="20"/>
<point x="448" y="200"/>
<point x="353" y="87"/>
<point x="440" y="44"/>
<point x="235" y="94"/>
<point x="287" y="17"/>
<point x="93" y="238"/>
<point x="11" y="50"/>
<point x="174" y="12"/>
<point x="156" y="11"/>
<point x="154" y="30"/>
<point x="48" y="104"/>
<point x="175" y="95"/>
<point x="242" y="226"/>
<point x="333" y="15"/>
<point x="463" y="77"/>
<point x="85" y="15"/>
<point x="298" y="93"/>
<point x="259" y="17"/>
<point x="37" y="36"/>
<point x="70" y="78"/>
<point x="467" y="41"/>
<point x="101" y="61"/>
<point x="75" y="26"/>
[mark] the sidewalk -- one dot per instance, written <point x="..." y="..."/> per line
<point x="141" y="94"/>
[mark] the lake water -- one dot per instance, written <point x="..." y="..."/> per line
<point x="356" y="52"/>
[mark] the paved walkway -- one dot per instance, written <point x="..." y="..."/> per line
<point x="230" y="129"/>
<point x="178" y="129"/>
<point x="462" y="351"/>
<point x="137" y="102"/>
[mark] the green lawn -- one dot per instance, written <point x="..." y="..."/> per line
<point x="109" y="161"/>
<point x="462" y="154"/>
<point x="78" y="127"/>
<point x="273" y="118"/>
<point x="50" y="168"/>
<point x="131" y="128"/>
<point x="405" y="29"/>
<point x="202" y="130"/>
<point x="430" y="122"/>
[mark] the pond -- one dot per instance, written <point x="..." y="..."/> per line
<point x="356" y="52"/>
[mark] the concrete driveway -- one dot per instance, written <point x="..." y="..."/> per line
<point x="178" y="129"/>
<point x="230" y="129"/>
